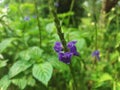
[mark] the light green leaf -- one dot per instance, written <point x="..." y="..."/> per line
<point x="58" y="64"/>
<point x="42" y="72"/>
<point x="20" y="82"/>
<point x="35" y="52"/>
<point x="18" y="67"/>
<point x="50" y="27"/>
<point x="105" y="77"/>
<point x="31" y="81"/>
<point x="118" y="86"/>
<point x="24" y="55"/>
<point x="5" y="43"/>
<point x="63" y="15"/>
<point x="81" y="43"/>
<point x="4" y="83"/>
<point x="3" y="63"/>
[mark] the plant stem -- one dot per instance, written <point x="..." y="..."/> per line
<point x="96" y="33"/>
<point x="71" y="8"/>
<point x="59" y="30"/>
<point x="38" y="22"/>
<point x="72" y="74"/>
<point x="72" y="5"/>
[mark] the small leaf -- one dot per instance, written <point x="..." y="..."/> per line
<point x="3" y="63"/>
<point x="118" y="86"/>
<point x="81" y="43"/>
<point x="24" y="55"/>
<point x="57" y="64"/>
<point x="42" y="72"/>
<point x="50" y="27"/>
<point x="63" y="15"/>
<point x="31" y="81"/>
<point x="35" y="52"/>
<point x="105" y="77"/>
<point x="18" y="67"/>
<point x="20" y="82"/>
<point x="4" y="83"/>
<point x="5" y="43"/>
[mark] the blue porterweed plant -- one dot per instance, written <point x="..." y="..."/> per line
<point x="66" y="56"/>
<point x="96" y="54"/>
<point x="65" y="51"/>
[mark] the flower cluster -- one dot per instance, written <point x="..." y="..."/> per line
<point x="66" y="56"/>
<point x="96" y="54"/>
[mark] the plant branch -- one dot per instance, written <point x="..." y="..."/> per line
<point x="38" y="22"/>
<point x="59" y="30"/>
<point x="72" y="74"/>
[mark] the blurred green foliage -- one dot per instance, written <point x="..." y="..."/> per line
<point x="24" y="65"/>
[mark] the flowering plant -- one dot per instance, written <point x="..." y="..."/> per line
<point x="66" y="56"/>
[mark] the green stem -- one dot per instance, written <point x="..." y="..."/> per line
<point x="117" y="21"/>
<point x="71" y="8"/>
<point x="96" y="33"/>
<point x="38" y="22"/>
<point x="72" y="74"/>
<point x="59" y="30"/>
<point x="72" y="5"/>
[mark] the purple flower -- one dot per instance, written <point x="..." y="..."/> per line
<point x="72" y="47"/>
<point x="65" y="57"/>
<point x="58" y="47"/>
<point x="26" y="18"/>
<point x="96" y="54"/>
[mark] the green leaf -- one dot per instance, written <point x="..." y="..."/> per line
<point x="35" y="52"/>
<point x="18" y="67"/>
<point x="5" y="43"/>
<point x="42" y="72"/>
<point x="20" y="82"/>
<point x="105" y="77"/>
<point x="3" y="63"/>
<point x="50" y="27"/>
<point x="104" y="80"/>
<point x="63" y="15"/>
<point x="58" y="64"/>
<point x="24" y="55"/>
<point x="81" y="43"/>
<point x="117" y="85"/>
<point x="4" y="83"/>
<point x="31" y="81"/>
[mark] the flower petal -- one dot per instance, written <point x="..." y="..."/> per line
<point x="96" y="54"/>
<point x="65" y="57"/>
<point x="71" y="44"/>
<point x="58" y="47"/>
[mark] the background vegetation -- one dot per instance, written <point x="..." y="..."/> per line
<point x="28" y="32"/>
